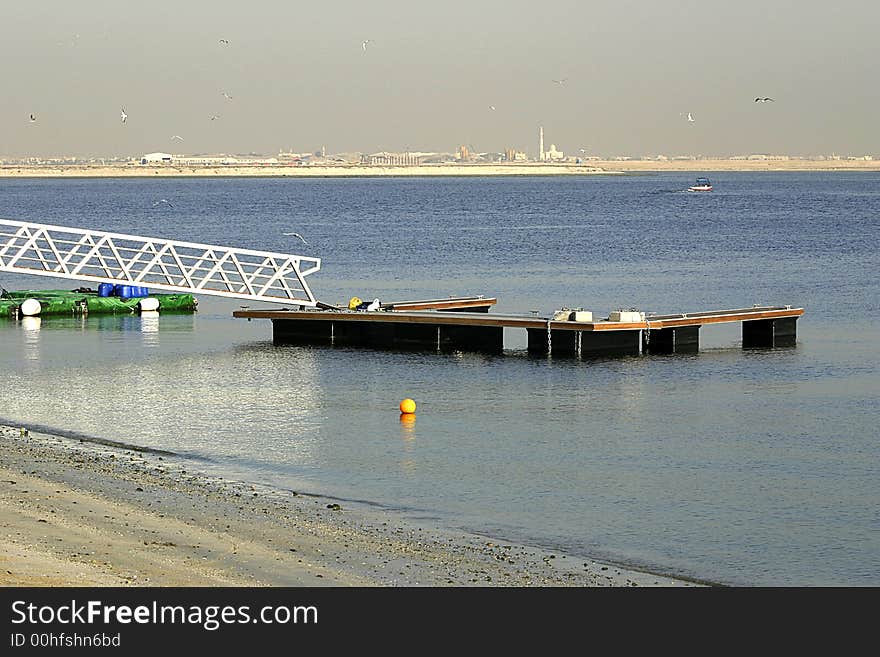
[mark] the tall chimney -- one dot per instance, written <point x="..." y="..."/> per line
<point x="541" y="143"/>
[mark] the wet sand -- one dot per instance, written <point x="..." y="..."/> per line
<point x="75" y="513"/>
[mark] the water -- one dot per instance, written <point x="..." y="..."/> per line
<point x="743" y="467"/>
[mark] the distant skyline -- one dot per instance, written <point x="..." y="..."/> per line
<point x="611" y="77"/>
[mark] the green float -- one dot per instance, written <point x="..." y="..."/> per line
<point x="66" y="302"/>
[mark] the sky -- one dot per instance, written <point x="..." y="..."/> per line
<point x="299" y="78"/>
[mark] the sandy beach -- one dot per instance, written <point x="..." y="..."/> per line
<point x="597" y="167"/>
<point x="76" y="513"/>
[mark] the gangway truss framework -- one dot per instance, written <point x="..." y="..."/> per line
<point x="166" y="265"/>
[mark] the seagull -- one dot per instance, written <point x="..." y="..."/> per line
<point x="123" y="115"/>
<point x="297" y="235"/>
<point x="690" y="118"/>
<point x="224" y="41"/>
<point x="364" y="44"/>
<point x="214" y="117"/>
<point x="163" y="201"/>
<point x="178" y="137"/>
<point x="73" y="41"/>
<point x="492" y="107"/>
<point x="764" y="100"/>
<point x="226" y="96"/>
<point x="33" y="118"/>
<point x="560" y="82"/>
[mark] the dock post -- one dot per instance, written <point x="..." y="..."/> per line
<point x="416" y="336"/>
<point x="380" y="335"/>
<point x="611" y="343"/>
<point x="470" y="338"/>
<point x="565" y="343"/>
<point x="538" y="343"/>
<point x="762" y="333"/>
<point x="679" y="340"/>
<point x="553" y="342"/>
<point x="310" y="332"/>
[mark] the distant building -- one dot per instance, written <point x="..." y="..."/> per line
<point x="392" y="159"/>
<point x="464" y="153"/>
<point x="156" y="158"/>
<point x="224" y="160"/>
<point x="553" y="155"/>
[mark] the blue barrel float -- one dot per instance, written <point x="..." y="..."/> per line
<point x="123" y="291"/>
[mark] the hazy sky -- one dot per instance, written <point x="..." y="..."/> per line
<point x="300" y="79"/>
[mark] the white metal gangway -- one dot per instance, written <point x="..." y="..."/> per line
<point x="166" y="265"/>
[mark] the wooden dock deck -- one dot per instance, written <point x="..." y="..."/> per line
<point x="762" y="326"/>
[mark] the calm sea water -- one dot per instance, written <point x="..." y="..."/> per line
<point x="744" y="467"/>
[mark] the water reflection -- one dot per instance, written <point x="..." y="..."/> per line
<point x="150" y="327"/>
<point x="252" y="404"/>
<point x="31" y="328"/>
<point x="146" y="322"/>
<point x="408" y="464"/>
<point x="408" y="427"/>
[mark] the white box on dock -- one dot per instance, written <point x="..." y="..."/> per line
<point x="626" y="316"/>
<point x="581" y="316"/>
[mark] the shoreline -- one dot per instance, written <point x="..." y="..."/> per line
<point x="599" y="167"/>
<point x="76" y="513"/>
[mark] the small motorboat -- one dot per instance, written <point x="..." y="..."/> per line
<point x="702" y="185"/>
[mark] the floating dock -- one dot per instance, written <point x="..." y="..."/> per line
<point x="565" y="333"/>
<point x="71" y="302"/>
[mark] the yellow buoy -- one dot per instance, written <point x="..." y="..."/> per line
<point x="407" y="406"/>
<point x="353" y="303"/>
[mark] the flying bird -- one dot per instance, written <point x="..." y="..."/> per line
<point x="561" y="81"/>
<point x="214" y="117"/>
<point x="33" y="118"/>
<point x="73" y="41"/>
<point x="224" y="41"/>
<point x="364" y="44"/>
<point x="297" y="235"/>
<point x="690" y="118"/>
<point x="123" y="115"/>
<point x="764" y="100"/>
<point x="226" y="96"/>
<point x="492" y="107"/>
<point x="168" y="203"/>
<point x="178" y="137"/>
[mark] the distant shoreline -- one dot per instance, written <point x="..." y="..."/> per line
<point x="598" y="167"/>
